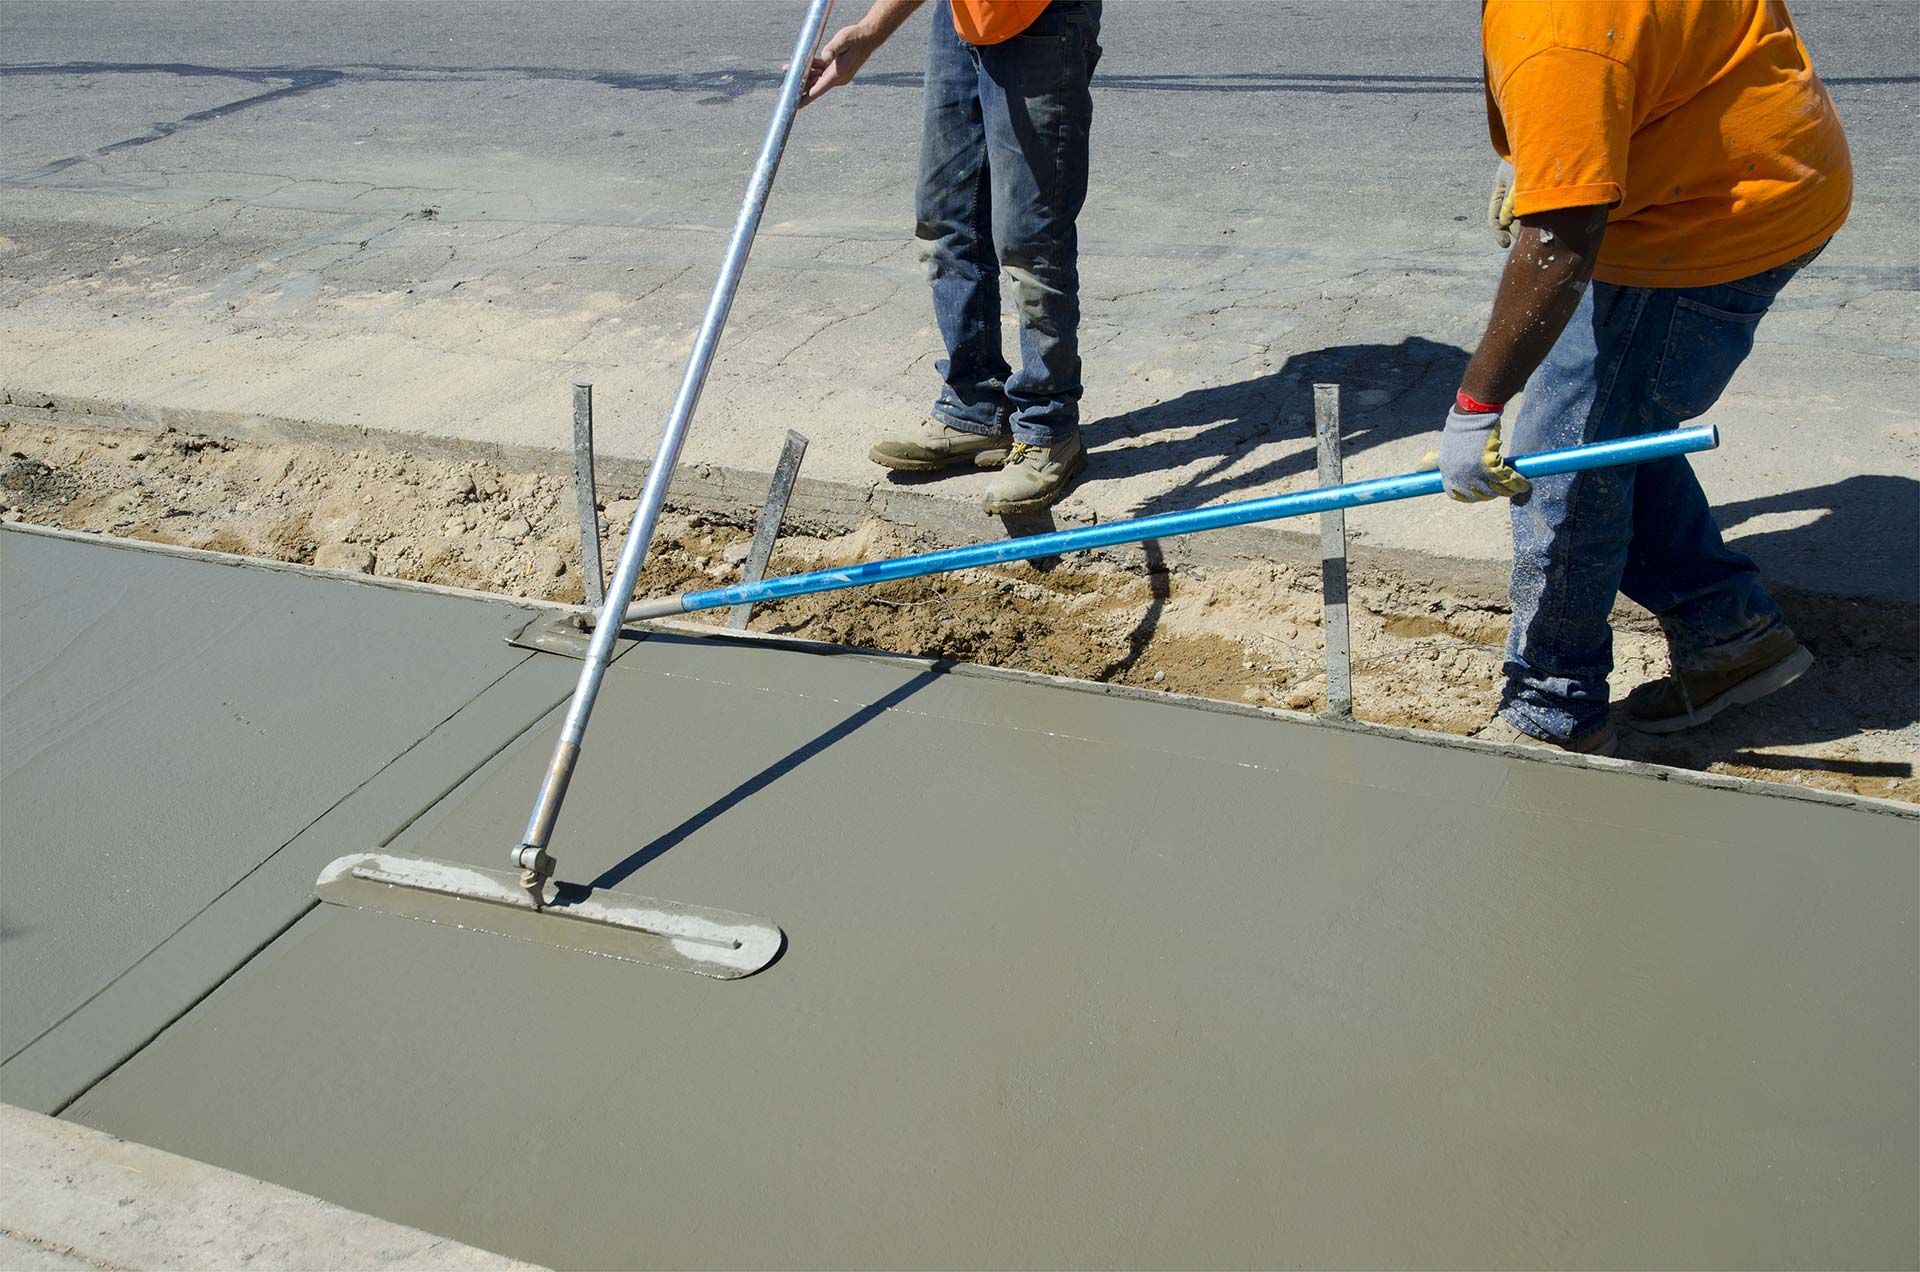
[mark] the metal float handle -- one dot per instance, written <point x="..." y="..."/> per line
<point x="531" y="855"/>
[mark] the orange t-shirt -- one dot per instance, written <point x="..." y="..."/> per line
<point x="994" y="21"/>
<point x="1702" y="124"/>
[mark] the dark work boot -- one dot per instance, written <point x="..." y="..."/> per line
<point x="1687" y="699"/>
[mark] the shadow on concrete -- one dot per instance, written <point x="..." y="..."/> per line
<point x="621" y="870"/>
<point x="1024" y="525"/>
<point x="1865" y="542"/>
<point x="1387" y="392"/>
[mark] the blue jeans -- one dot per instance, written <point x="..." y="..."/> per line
<point x="1632" y="360"/>
<point x="1003" y="172"/>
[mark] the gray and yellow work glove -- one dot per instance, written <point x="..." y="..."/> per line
<point x="1500" y="205"/>
<point x="1469" y="455"/>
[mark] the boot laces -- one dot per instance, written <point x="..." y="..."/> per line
<point x="1018" y="451"/>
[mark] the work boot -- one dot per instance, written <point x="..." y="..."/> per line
<point x="931" y="444"/>
<point x="1600" y="741"/>
<point x="1689" y="698"/>
<point x="1035" y="476"/>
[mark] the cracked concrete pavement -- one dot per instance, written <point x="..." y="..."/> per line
<point x="421" y="220"/>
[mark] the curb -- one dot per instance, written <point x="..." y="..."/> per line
<point x="827" y="507"/>
<point x="74" y="1197"/>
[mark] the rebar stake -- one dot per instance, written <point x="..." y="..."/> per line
<point x="583" y="486"/>
<point x="785" y="473"/>
<point x="1333" y="557"/>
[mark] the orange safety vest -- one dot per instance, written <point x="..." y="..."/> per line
<point x="994" y="21"/>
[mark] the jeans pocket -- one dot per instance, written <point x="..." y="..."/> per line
<point x="1705" y="346"/>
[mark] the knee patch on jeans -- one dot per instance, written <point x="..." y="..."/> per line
<point x="1030" y="294"/>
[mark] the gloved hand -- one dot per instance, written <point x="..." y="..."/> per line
<point x="1500" y="205"/>
<point x="1469" y="457"/>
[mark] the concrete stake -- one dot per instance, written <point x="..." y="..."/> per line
<point x="761" y="551"/>
<point x="590" y="568"/>
<point x="1333" y="557"/>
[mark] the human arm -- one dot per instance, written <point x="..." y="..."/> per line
<point x="841" y="57"/>
<point x="1547" y="270"/>
<point x="1561" y="114"/>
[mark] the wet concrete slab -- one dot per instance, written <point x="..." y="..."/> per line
<point x="1088" y="979"/>
<point x="185" y="742"/>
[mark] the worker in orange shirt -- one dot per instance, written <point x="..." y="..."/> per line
<point x="1003" y="173"/>
<point x="1672" y="164"/>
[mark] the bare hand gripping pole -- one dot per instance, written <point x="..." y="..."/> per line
<point x="531" y="856"/>
<point x="1631" y="450"/>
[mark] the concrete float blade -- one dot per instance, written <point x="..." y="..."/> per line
<point x="619" y="925"/>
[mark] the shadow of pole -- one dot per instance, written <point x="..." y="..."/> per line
<point x="622" y="870"/>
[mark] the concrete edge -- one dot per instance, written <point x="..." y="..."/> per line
<point x="69" y="1192"/>
<point x="288" y="567"/>
<point x="684" y="627"/>
<point x="1403" y="733"/>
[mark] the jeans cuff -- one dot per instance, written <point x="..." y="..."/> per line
<point x="1043" y="434"/>
<point x="960" y="422"/>
<point x="1554" y="726"/>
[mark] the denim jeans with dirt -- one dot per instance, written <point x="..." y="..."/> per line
<point x="1003" y="173"/>
<point x="1633" y="360"/>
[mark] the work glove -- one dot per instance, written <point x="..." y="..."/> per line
<point x="1500" y="205"/>
<point x="1469" y="457"/>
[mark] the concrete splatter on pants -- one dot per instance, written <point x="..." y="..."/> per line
<point x="1632" y="360"/>
<point x="1003" y="174"/>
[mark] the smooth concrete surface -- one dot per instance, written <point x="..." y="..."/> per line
<point x="1092" y="980"/>
<point x="72" y="1197"/>
<point x="424" y="219"/>
<point x="183" y="743"/>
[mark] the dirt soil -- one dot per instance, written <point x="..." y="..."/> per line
<point x="1248" y="634"/>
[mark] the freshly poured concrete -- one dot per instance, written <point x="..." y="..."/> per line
<point x="183" y="743"/>
<point x="1076" y="979"/>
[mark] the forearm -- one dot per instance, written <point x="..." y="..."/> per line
<point x="886" y="16"/>
<point x="1547" y="271"/>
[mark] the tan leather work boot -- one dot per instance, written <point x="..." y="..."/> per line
<point x="1689" y="698"/>
<point x="1035" y="477"/>
<point x="931" y="444"/>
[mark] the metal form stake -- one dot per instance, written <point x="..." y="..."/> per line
<point x="1333" y="557"/>
<point x="761" y="550"/>
<point x="531" y="854"/>
<point x="590" y="568"/>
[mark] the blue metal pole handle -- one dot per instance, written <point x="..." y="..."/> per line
<point x="1630" y="450"/>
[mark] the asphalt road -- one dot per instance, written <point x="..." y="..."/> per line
<point x="424" y="218"/>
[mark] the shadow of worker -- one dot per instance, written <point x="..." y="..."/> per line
<point x="1849" y="581"/>
<point x="1863" y="541"/>
<point x="1388" y="392"/>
